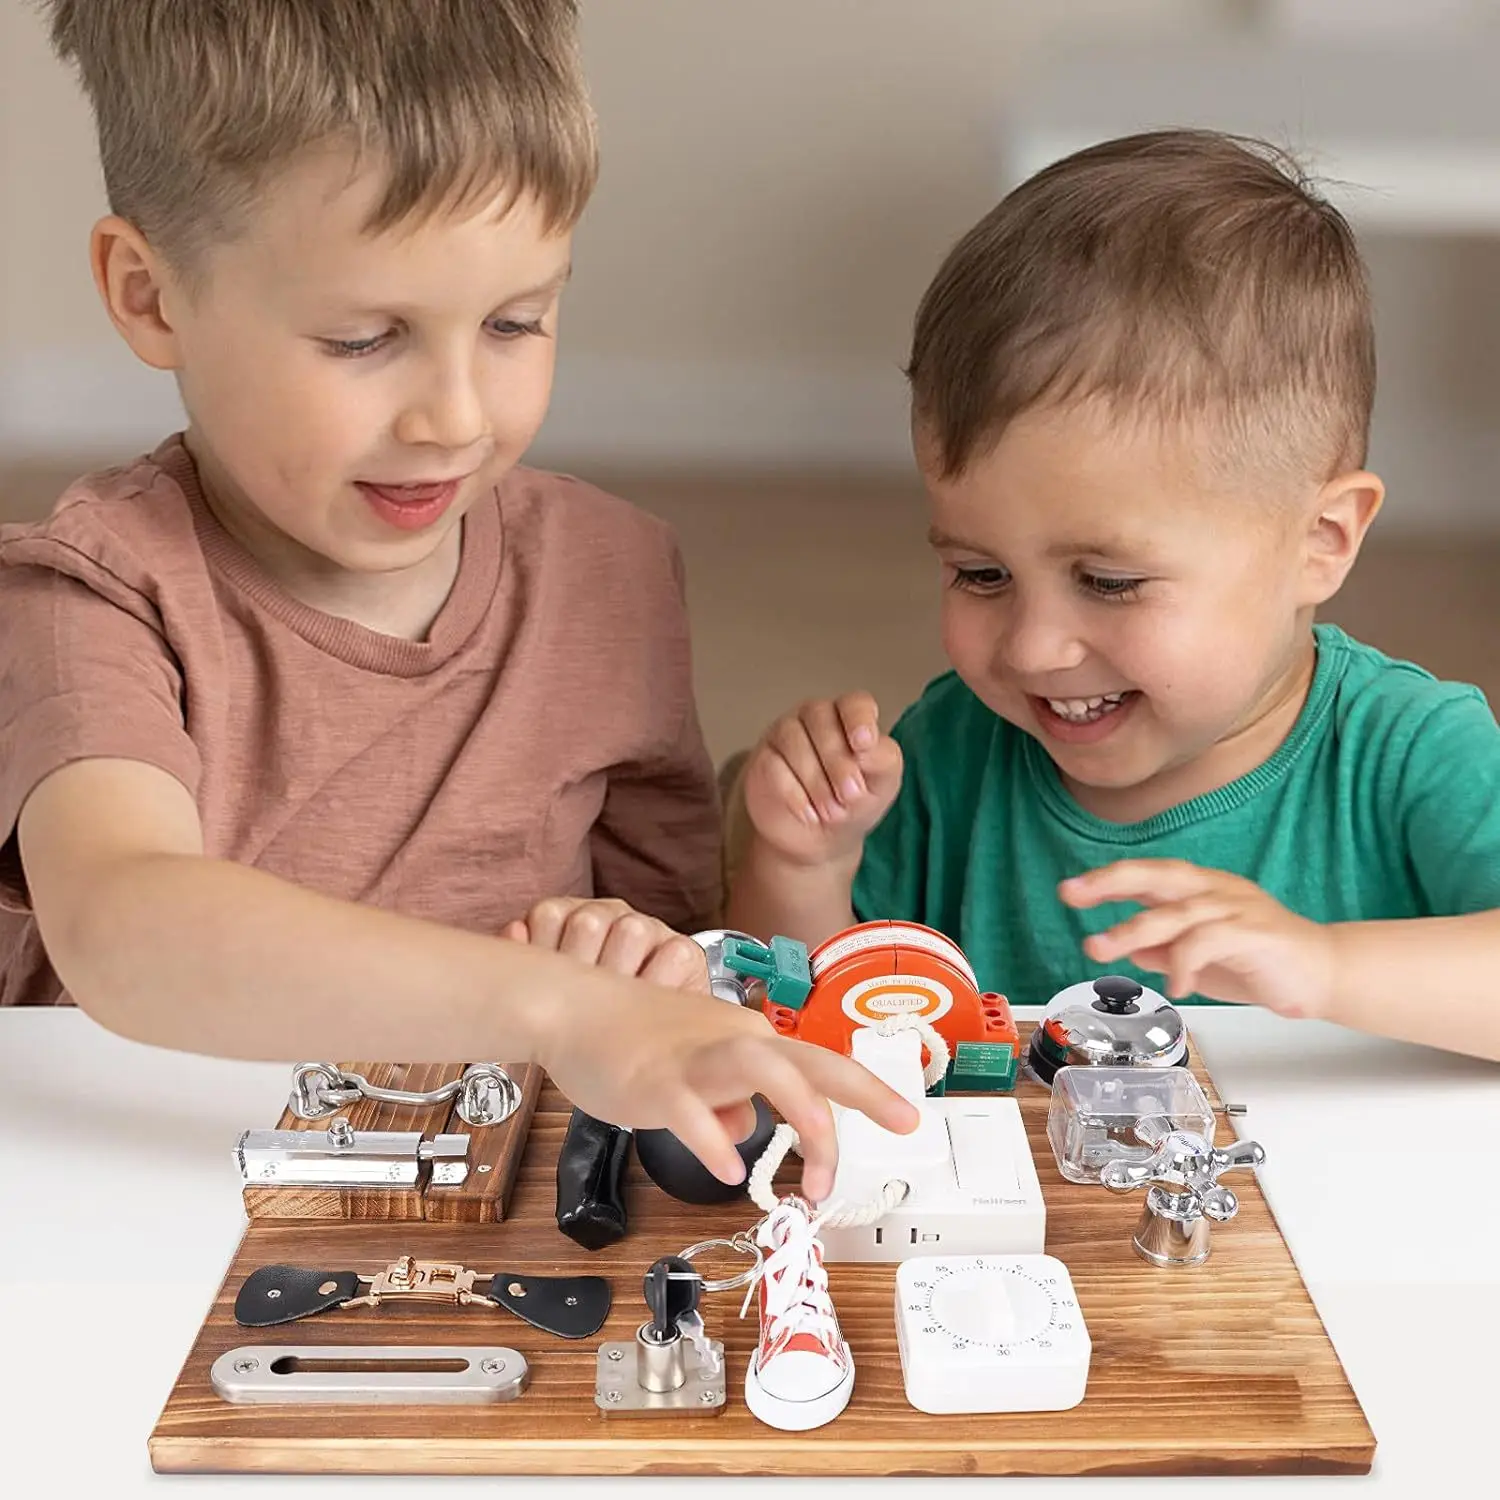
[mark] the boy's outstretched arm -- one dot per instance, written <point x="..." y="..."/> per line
<point x="1430" y="979"/>
<point x="167" y="947"/>
<point x="821" y="778"/>
<point x="1424" y="979"/>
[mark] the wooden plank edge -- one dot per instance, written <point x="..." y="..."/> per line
<point x="772" y="1455"/>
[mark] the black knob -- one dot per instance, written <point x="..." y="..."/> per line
<point x="676" y="1171"/>
<point x="1117" y="995"/>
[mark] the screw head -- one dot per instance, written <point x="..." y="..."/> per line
<point x="246" y="1366"/>
<point x="571" y="1301"/>
<point x="708" y="1398"/>
<point x="492" y="1366"/>
<point x="274" y="1293"/>
<point x="613" y="1397"/>
<point x="484" y="1167"/>
<point x="616" y="1355"/>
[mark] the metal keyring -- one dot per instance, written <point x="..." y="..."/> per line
<point x="742" y="1243"/>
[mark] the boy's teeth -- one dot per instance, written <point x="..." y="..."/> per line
<point x="1085" y="708"/>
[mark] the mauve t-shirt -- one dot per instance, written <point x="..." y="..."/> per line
<point x="542" y="740"/>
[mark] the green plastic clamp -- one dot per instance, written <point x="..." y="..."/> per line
<point x="783" y="966"/>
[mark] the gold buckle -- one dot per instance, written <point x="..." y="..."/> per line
<point x="412" y="1280"/>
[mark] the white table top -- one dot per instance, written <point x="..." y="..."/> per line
<point x="1395" y="1233"/>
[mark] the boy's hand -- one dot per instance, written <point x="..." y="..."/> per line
<point x="822" y="778"/>
<point x="1211" y="933"/>
<point x="691" y="1064"/>
<point x="613" y="935"/>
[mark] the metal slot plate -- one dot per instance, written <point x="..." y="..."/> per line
<point x="370" y="1374"/>
<point x="617" y="1392"/>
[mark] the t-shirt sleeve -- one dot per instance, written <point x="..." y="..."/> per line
<point x="81" y="677"/>
<point x="658" y="841"/>
<point x="1450" y="806"/>
<point x="890" y="884"/>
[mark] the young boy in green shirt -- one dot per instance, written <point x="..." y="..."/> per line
<point x="1141" y="392"/>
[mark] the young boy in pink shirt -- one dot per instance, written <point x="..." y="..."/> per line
<point x="325" y="721"/>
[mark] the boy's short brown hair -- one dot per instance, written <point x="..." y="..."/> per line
<point x="1178" y="276"/>
<point x="197" y="102"/>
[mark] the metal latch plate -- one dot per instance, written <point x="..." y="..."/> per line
<point x="365" y="1158"/>
<point x="619" y="1393"/>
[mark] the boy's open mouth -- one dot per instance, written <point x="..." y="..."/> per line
<point x="410" y="507"/>
<point x="1080" y="720"/>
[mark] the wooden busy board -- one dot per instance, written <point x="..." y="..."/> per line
<point x="1223" y="1368"/>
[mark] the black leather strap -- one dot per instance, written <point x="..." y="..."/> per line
<point x="282" y="1294"/>
<point x="591" y="1181"/>
<point x="572" y="1307"/>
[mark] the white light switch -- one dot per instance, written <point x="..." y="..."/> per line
<point x="983" y="1156"/>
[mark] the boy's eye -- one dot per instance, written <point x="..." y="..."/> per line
<point x="1105" y="587"/>
<point x="979" y="580"/>
<point x="514" y="328"/>
<point x="501" y="328"/>
<point x="353" y="348"/>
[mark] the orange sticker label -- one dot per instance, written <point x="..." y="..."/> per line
<point x="874" y="1000"/>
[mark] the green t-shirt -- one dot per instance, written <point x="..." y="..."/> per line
<point x="1383" y="802"/>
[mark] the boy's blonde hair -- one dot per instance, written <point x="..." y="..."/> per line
<point x="1179" y="276"/>
<point x="198" y="102"/>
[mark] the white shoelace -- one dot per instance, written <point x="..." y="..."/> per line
<point x="796" y="1282"/>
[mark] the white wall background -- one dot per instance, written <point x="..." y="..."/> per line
<point x="781" y="178"/>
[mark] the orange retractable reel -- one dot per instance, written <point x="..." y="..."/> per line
<point x="870" y="973"/>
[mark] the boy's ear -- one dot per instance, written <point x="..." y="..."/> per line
<point x="132" y="278"/>
<point x="1341" y="516"/>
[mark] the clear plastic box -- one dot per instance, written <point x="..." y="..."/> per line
<point x="1094" y="1111"/>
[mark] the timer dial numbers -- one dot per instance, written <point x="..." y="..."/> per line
<point x="991" y="1333"/>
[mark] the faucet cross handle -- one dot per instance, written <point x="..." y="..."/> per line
<point x="1183" y="1160"/>
<point x="1183" y="1173"/>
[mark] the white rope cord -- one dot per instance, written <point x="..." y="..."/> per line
<point x="784" y="1139"/>
<point x="765" y="1197"/>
